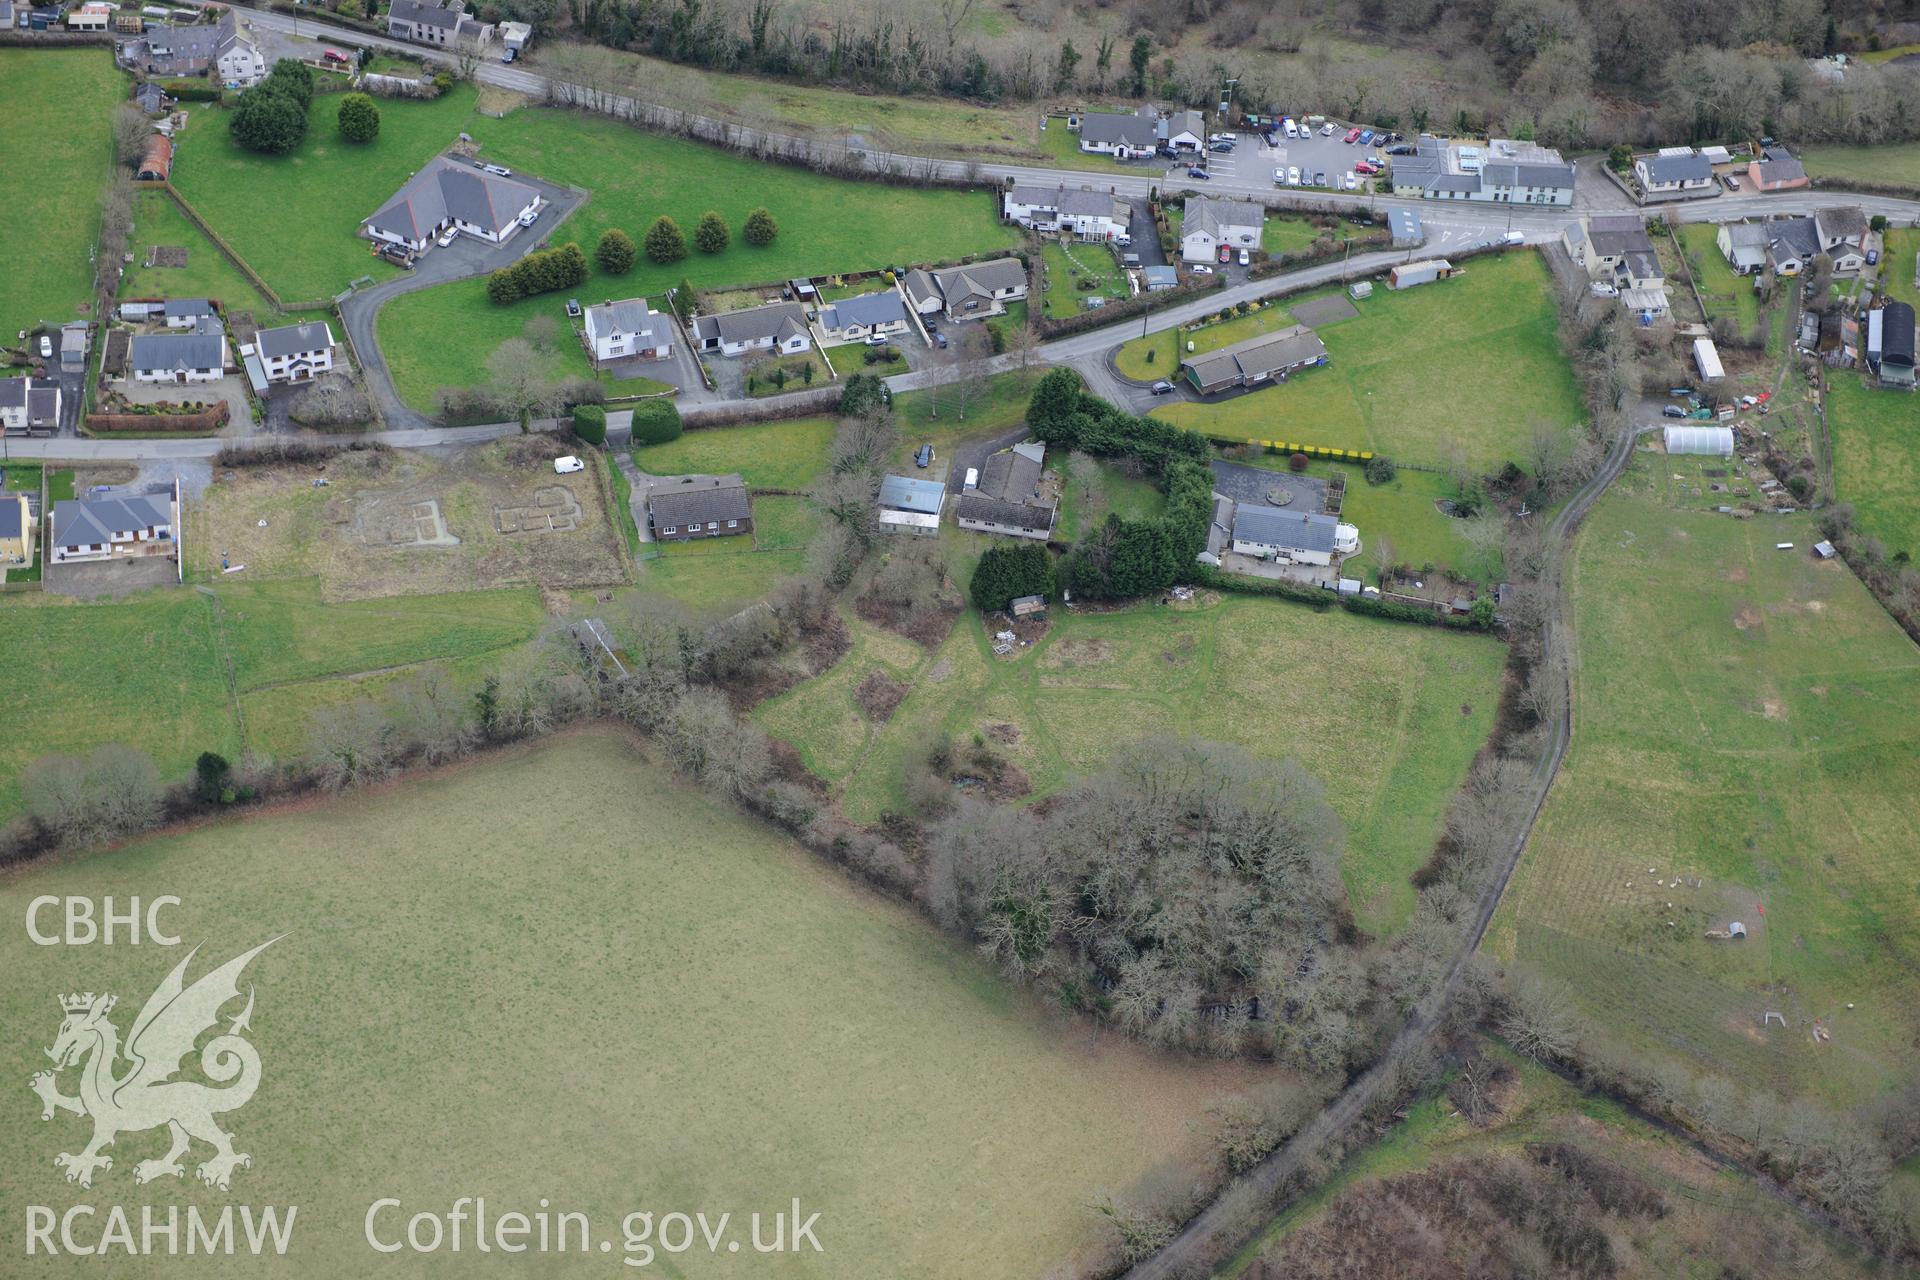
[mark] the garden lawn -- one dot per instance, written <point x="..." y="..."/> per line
<point x="1469" y="363"/>
<point x="1897" y="265"/>
<point x="773" y="455"/>
<point x="1746" y="717"/>
<point x="208" y="273"/>
<point x="680" y="1009"/>
<point x="57" y="149"/>
<point x="296" y="218"/>
<point x="1069" y="266"/>
<point x="1131" y="497"/>
<point x="1725" y="291"/>
<point x="1876" y="459"/>
<point x="1387" y="716"/>
<point x="718" y="583"/>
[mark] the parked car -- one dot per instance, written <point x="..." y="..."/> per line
<point x="1353" y="135"/>
<point x="498" y="170"/>
<point x="1873" y="257"/>
<point x="1201" y="269"/>
<point x="876" y="340"/>
<point x="1223" y="137"/>
<point x="1326" y="130"/>
<point x="1162" y="387"/>
<point x="334" y="56"/>
<point x="1320" y="178"/>
<point x="1601" y="289"/>
<point x="1672" y="411"/>
<point x="924" y="458"/>
<point x="1350" y="182"/>
<point x="1682" y="392"/>
<point x="1293" y="175"/>
<point x="1514" y="237"/>
<point x="1280" y="176"/>
<point x="566" y="466"/>
<point x="939" y="339"/>
<point x="530" y="217"/>
<point x="1201" y="174"/>
<point x="1221" y="147"/>
<point x="1366" y="168"/>
<point x="46" y="347"/>
<point x="1244" y="258"/>
<point x="1401" y="150"/>
<point x="1730" y="182"/>
<point x="1166" y="152"/>
<point x="573" y="306"/>
<point x="1366" y="137"/>
<point x="1289" y="128"/>
<point x="1374" y="160"/>
<point x="448" y="236"/>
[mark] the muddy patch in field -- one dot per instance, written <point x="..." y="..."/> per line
<point x="1005" y="734"/>
<point x="1081" y="651"/>
<point x="1747" y="619"/>
<point x="879" y="695"/>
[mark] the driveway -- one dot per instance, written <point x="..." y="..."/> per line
<point x="98" y="579"/>
<point x="464" y="259"/>
<point x="973" y="456"/>
<point x="231" y="388"/>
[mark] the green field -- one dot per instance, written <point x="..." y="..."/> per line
<point x="1387" y="716"/>
<point x="208" y="274"/>
<point x="296" y="218"/>
<point x="56" y="148"/>
<point x="1894" y="164"/>
<point x="1876" y="459"/>
<point x="1745" y="716"/>
<point x="774" y="455"/>
<point x="1471" y="362"/>
<point x="634" y="177"/>
<point x="681" y="1011"/>
<point x="151" y="671"/>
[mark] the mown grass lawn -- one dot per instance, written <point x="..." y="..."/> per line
<point x="772" y="455"/>
<point x="1132" y="497"/>
<point x="56" y="149"/>
<point x="1070" y="266"/>
<point x="1725" y="291"/>
<point x="681" y="1009"/>
<point x="208" y="273"/>
<point x="1387" y="716"/>
<point x="1876" y="459"/>
<point x="1897" y="265"/>
<point x="1746" y="718"/>
<point x="296" y="218"/>
<point x="1470" y="363"/>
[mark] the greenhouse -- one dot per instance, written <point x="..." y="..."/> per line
<point x="1713" y="440"/>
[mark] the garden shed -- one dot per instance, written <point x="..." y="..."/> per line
<point x="1717" y="441"/>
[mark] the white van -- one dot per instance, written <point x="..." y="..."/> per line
<point x="568" y="465"/>
<point x="1291" y="129"/>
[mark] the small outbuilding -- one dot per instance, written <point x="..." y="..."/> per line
<point x="1409" y="274"/>
<point x="1712" y="441"/>
<point x="1706" y="358"/>
<point x="156" y="159"/>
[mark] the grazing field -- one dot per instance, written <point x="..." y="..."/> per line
<point x="1876" y="459"/>
<point x="1492" y="331"/>
<point x="1387" y="716"/>
<point x="208" y="274"/>
<point x="295" y="218"/>
<point x="58" y="107"/>
<point x="388" y="524"/>
<point x="411" y="329"/>
<point x="708" y="1019"/>
<point x="1896" y="164"/>
<point x="1712" y="1221"/>
<point x="1744" y="719"/>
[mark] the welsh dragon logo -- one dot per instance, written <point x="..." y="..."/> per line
<point x="146" y="1095"/>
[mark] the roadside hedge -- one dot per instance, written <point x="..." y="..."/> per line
<point x="656" y="422"/>
<point x="590" y="423"/>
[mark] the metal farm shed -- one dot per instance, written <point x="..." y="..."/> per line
<point x="1709" y="440"/>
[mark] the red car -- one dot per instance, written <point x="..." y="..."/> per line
<point x="1366" y="168"/>
<point x="1353" y="135"/>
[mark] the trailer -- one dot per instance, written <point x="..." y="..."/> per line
<point x="1409" y="274"/>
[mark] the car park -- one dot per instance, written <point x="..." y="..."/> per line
<point x="1162" y="387"/>
<point x="1353" y="135"/>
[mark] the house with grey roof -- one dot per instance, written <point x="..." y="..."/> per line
<point x="1843" y="236"/>
<point x="1776" y="169"/>
<point x="1289" y="536"/>
<point x="16" y="528"/>
<point x="1183" y="130"/>
<point x="1008" y="497"/>
<point x="1792" y="245"/>
<point x="681" y="508"/>
<point x="868" y="315"/>
<point x="1743" y="245"/>
<point x="1502" y="171"/>
<point x="294" y="352"/>
<point x="627" y="330"/>
<point x="442" y="26"/>
<point x="970" y="292"/>
<point x="186" y="313"/>
<point x="1121" y="134"/>
<point x="458" y="194"/>
<point x="179" y="357"/>
<point x="1087" y="213"/>
<point x="1618" y="254"/>
<point x="29" y="406"/>
<point x="1268" y="357"/>
<point x="106" y="528"/>
<point x="1209" y="227"/>
<point x="779" y="327"/>
<point x="172" y="51"/>
<point x="1675" y="174"/>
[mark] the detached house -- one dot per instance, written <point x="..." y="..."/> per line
<point x="1679" y="173"/>
<point x="106" y="528"/>
<point x="629" y="330"/>
<point x="1743" y="245"/>
<point x="686" y="507"/>
<point x="870" y="315"/>
<point x="1294" y="537"/>
<point x="1184" y="131"/>
<point x="1212" y="227"/>
<point x="779" y="327"/>
<point x="187" y="313"/>
<point x="447" y="193"/>
<point x="1089" y="215"/>
<point x="1255" y="361"/>
<point x="972" y="292"/>
<point x="200" y="356"/>
<point x="440" y="25"/>
<point x="295" y="352"/>
<point x="1792" y="245"/>
<point x="1843" y="237"/>
<point x="1007" y="498"/>
<point x="1776" y="170"/>
<point x="1120" y="134"/>
<point x="29" y="405"/>
<point x="16" y="528"/>
<point x="1616" y="250"/>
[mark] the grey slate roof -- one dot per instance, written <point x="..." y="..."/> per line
<point x="1779" y="165"/>
<point x="1018" y="515"/>
<point x="445" y="188"/>
<point x="866" y="310"/>
<point x="1258" y="357"/>
<point x="79" y="522"/>
<point x="1279" y="527"/>
<point x="1076" y="201"/>
<point x="13" y="395"/>
<point x="697" y="499"/>
<point x="632" y="316"/>
<point x="1798" y="235"/>
<point x="185" y="308"/>
<point x="1010" y="476"/>
<point x="921" y="286"/>
<point x="1844" y="222"/>
<point x="446" y="18"/>
<point x="1896" y="334"/>
<point x="294" y="339"/>
<point x="904" y="493"/>
<point x="10" y="525"/>
<point x="172" y="51"/>
<point x="776" y="320"/>
<point x="1615" y="235"/>
<point x="171" y="352"/>
<point x="999" y="273"/>
<point x="43" y="405"/>
<point x="1516" y="173"/>
<point x="1112" y="128"/>
<point x="1215" y="216"/>
<point x="1665" y="169"/>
